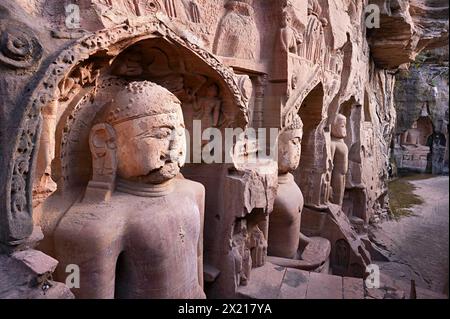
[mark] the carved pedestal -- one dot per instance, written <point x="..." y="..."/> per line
<point x="26" y="273"/>
<point x="348" y="254"/>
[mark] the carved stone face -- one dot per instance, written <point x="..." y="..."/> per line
<point x="151" y="149"/>
<point x="289" y="150"/>
<point x="339" y="127"/>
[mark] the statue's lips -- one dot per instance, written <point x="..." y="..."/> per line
<point x="167" y="167"/>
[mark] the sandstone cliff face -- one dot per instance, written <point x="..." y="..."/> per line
<point x="269" y="61"/>
<point x="422" y="91"/>
<point x="407" y="28"/>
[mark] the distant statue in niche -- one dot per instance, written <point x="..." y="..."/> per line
<point x="207" y="109"/>
<point x="258" y="247"/>
<point x="339" y="155"/>
<point x="412" y="138"/>
<point x="237" y="34"/>
<point x="288" y="36"/>
<point x="138" y="231"/>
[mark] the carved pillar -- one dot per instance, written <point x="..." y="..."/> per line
<point x="248" y="199"/>
<point x="260" y="90"/>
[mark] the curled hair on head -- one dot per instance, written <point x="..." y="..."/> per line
<point x="339" y="117"/>
<point x="139" y="99"/>
<point x="294" y="123"/>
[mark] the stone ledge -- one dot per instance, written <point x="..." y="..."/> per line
<point x="273" y="282"/>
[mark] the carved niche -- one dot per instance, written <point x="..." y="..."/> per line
<point x="16" y="216"/>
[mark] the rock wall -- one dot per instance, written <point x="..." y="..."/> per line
<point x="252" y="64"/>
<point x="422" y="92"/>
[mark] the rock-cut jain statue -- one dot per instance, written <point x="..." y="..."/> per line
<point x="286" y="243"/>
<point x="138" y="231"/>
<point x="287" y="246"/>
<point x="339" y="154"/>
<point x="284" y="225"/>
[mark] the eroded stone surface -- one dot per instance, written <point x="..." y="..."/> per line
<point x="236" y="64"/>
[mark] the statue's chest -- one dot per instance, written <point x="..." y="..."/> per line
<point x="164" y="227"/>
<point x="289" y="202"/>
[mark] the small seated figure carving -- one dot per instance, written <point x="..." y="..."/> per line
<point x="138" y="235"/>
<point x="339" y="155"/>
<point x="286" y="244"/>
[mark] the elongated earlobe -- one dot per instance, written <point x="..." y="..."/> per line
<point x="102" y="142"/>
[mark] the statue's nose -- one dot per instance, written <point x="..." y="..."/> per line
<point x="175" y="151"/>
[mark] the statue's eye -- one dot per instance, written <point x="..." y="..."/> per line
<point x="160" y="133"/>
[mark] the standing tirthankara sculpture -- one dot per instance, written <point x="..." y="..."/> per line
<point x="92" y="139"/>
<point x="284" y="226"/>
<point x="138" y="235"/>
<point x="287" y="246"/>
<point x="339" y="155"/>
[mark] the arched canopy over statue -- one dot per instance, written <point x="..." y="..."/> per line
<point x="66" y="74"/>
<point x="138" y="231"/>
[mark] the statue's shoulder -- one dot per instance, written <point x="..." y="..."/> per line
<point x="89" y="212"/>
<point x="289" y="194"/>
<point x="189" y="187"/>
<point x="90" y="221"/>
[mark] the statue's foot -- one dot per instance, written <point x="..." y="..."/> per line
<point x="317" y="252"/>
<point x="314" y="258"/>
<point x="303" y="242"/>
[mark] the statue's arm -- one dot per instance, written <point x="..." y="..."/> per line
<point x="345" y="153"/>
<point x="284" y="39"/>
<point x="201" y="202"/>
<point x="94" y="257"/>
<point x="216" y="113"/>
